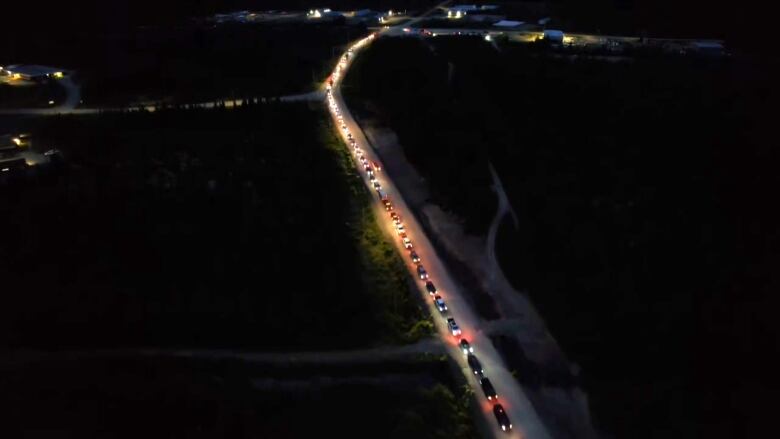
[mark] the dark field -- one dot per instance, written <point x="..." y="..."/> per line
<point x="32" y="96"/>
<point x="244" y="228"/>
<point x="647" y="233"/>
<point x="192" y="62"/>
<point x="121" y="397"/>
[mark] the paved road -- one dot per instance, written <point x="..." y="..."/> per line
<point x="69" y="107"/>
<point x="521" y="412"/>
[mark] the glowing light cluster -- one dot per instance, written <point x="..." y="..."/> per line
<point x="370" y="168"/>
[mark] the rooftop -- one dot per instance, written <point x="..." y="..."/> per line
<point x="32" y="70"/>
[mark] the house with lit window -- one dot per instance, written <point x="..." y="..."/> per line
<point x="31" y="72"/>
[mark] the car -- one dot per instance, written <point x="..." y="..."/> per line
<point x="349" y="135"/>
<point x="430" y="287"/>
<point x="474" y="364"/>
<point x="421" y="272"/>
<point x="382" y="195"/>
<point x="407" y="242"/>
<point x="371" y="176"/>
<point x="377" y="186"/>
<point x="367" y="167"/>
<point x="399" y="228"/>
<point x="376" y="165"/>
<point x="465" y="347"/>
<point x="395" y="217"/>
<point x="388" y="205"/>
<point x="415" y="258"/>
<point x="453" y="327"/>
<point x="440" y="305"/>
<point x="487" y="389"/>
<point x="397" y="220"/>
<point x="501" y="417"/>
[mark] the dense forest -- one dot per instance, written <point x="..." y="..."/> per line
<point x="219" y="228"/>
<point x="647" y="237"/>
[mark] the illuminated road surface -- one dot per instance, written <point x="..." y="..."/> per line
<point x="524" y="418"/>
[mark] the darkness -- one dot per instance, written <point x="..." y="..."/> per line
<point x="742" y="23"/>
<point x="644" y="194"/>
<point x="738" y="327"/>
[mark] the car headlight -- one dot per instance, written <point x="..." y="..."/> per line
<point x="503" y="427"/>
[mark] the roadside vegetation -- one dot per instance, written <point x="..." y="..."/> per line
<point x="217" y="399"/>
<point x="642" y="189"/>
<point x="204" y="228"/>
<point x="382" y="270"/>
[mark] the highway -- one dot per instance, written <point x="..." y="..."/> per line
<point x="525" y="421"/>
<point x="228" y="103"/>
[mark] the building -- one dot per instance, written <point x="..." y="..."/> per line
<point x="32" y="72"/>
<point x="325" y="13"/>
<point x="553" y="36"/>
<point x="366" y="16"/>
<point x="485" y="18"/>
<point x="708" y="48"/>
<point x="460" y="11"/>
<point x="10" y="154"/>
<point x="17" y="154"/>
<point x="471" y="8"/>
<point x="509" y="23"/>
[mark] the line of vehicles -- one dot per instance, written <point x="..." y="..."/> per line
<point x="371" y="168"/>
